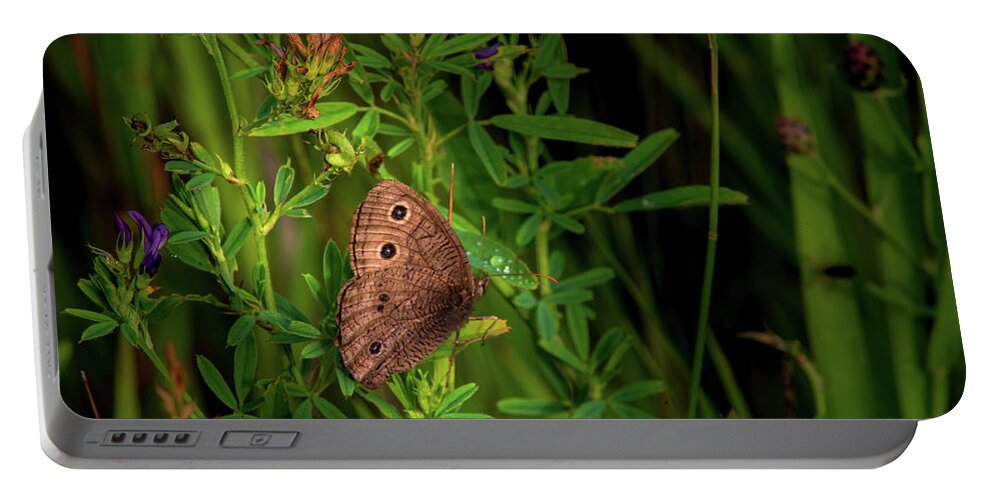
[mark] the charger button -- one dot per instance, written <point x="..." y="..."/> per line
<point x="258" y="439"/>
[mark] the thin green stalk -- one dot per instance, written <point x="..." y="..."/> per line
<point x="163" y="370"/>
<point x="708" y="269"/>
<point x="541" y="251"/>
<point x="247" y="59"/>
<point x="726" y="375"/>
<point x="238" y="142"/>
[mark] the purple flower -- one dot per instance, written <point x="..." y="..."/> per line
<point x="154" y="238"/>
<point x="794" y="136"/>
<point x="863" y="66"/>
<point x="123" y="231"/>
<point x="486" y="53"/>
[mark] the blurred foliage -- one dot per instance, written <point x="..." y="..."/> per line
<point x="587" y="156"/>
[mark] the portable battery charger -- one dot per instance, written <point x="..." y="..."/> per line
<point x="486" y="250"/>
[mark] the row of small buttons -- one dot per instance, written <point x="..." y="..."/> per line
<point x="230" y="439"/>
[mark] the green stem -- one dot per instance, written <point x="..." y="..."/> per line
<point x="708" y="270"/>
<point x="238" y="141"/>
<point x="728" y="380"/>
<point x="160" y="366"/>
<point x="541" y="251"/>
<point x="238" y="51"/>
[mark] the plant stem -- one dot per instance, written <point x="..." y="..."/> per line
<point x="708" y="270"/>
<point x="160" y="366"/>
<point x="247" y="59"/>
<point x="238" y="142"/>
<point x="541" y="251"/>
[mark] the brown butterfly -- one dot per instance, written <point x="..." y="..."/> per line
<point x="412" y="288"/>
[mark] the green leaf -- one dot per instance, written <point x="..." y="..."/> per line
<point x="299" y="213"/>
<point x="182" y="167"/>
<point x="283" y="184"/>
<point x="635" y="162"/>
<point x="558" y="89"/>
<point x="317" y="290"/>
<point x="569" y="297"/>
<point x="187" y="237"/>
<point x="565" y="128"/>
<point x="200" y="181"/>
<point x="304" y="410"/>
<point x="515" y="206"/>
<point x="216" y="382"/>
<point x="89" y="315"/>
<point x="240" y="329"/>
<point x="517" y="181"/>
<point x="562" y="353"/>
<point x="683" y="196"/>
<point x="369" y="56"/>
<point x="130" y="334"/>
<point x="470" y="100"/>
<point x="275" y="318"/>
<point x="589" y="409"/>
<point x="527" y="230"/>
<point x="92" y="292"/>
<point x="248" y="72"/>
<point x="637" y="390"/>
<point x="394" y="43"/>
<point x="393" y="130"/>
<point x="346" y="383"/>
<point x="307" y="196"/>
<point x="455" y="399"/>
<point x="97" y="330"/>
<point x="487" y="152"/>
<point x="362" y="89"/>
<point x="564" y="71"/>
<point x="303" y="329"/>
<point x="330" y="114"/>
<point x="625" y="411"/>
<point x="367" y="126"/>
<point x="268" y="104"/>
<point x="586" y="279"/>
<point x="498" y="259"/>
<point x="315" y="349"/>
<point x="400" y="147"/>
<point x="548" y="325"/>
<point x="192" y="255"/>
<point x="235" y="238"/>
<point x="201" y="153"/>
<point x="327" y="409"/>
<point x="466" y="415"/>
<point x="449" y="68"/>
<point x="434" y="89"/>
<point x="245" y="362"/>
<point x="530" y="407"/>
<point x="579" y="329"/>
<point x="567" y="223"/>
<point x="208" y="200"/>
<point x="525" y="300"/>
<point x="388" y="410"/>
<point x="483" y="328"/>
<point x="606" y="346"/>
<point x="461" y="43"/>
<point x="334" y="272"/>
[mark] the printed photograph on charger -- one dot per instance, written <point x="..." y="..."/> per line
<point x="496" y="226"/>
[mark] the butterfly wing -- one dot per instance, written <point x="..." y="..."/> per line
<point x="397" y="227"/>
<point x="390" y="319"/>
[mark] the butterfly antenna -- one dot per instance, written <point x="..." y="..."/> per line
<point x="451" y="193"/>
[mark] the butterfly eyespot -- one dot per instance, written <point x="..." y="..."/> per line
<point x="388" y="251"/>
<point x="380" y="308"/>
<point x="399" y="212"/>
<point x="384" y="298"/>
<point x="375" y="348"/>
